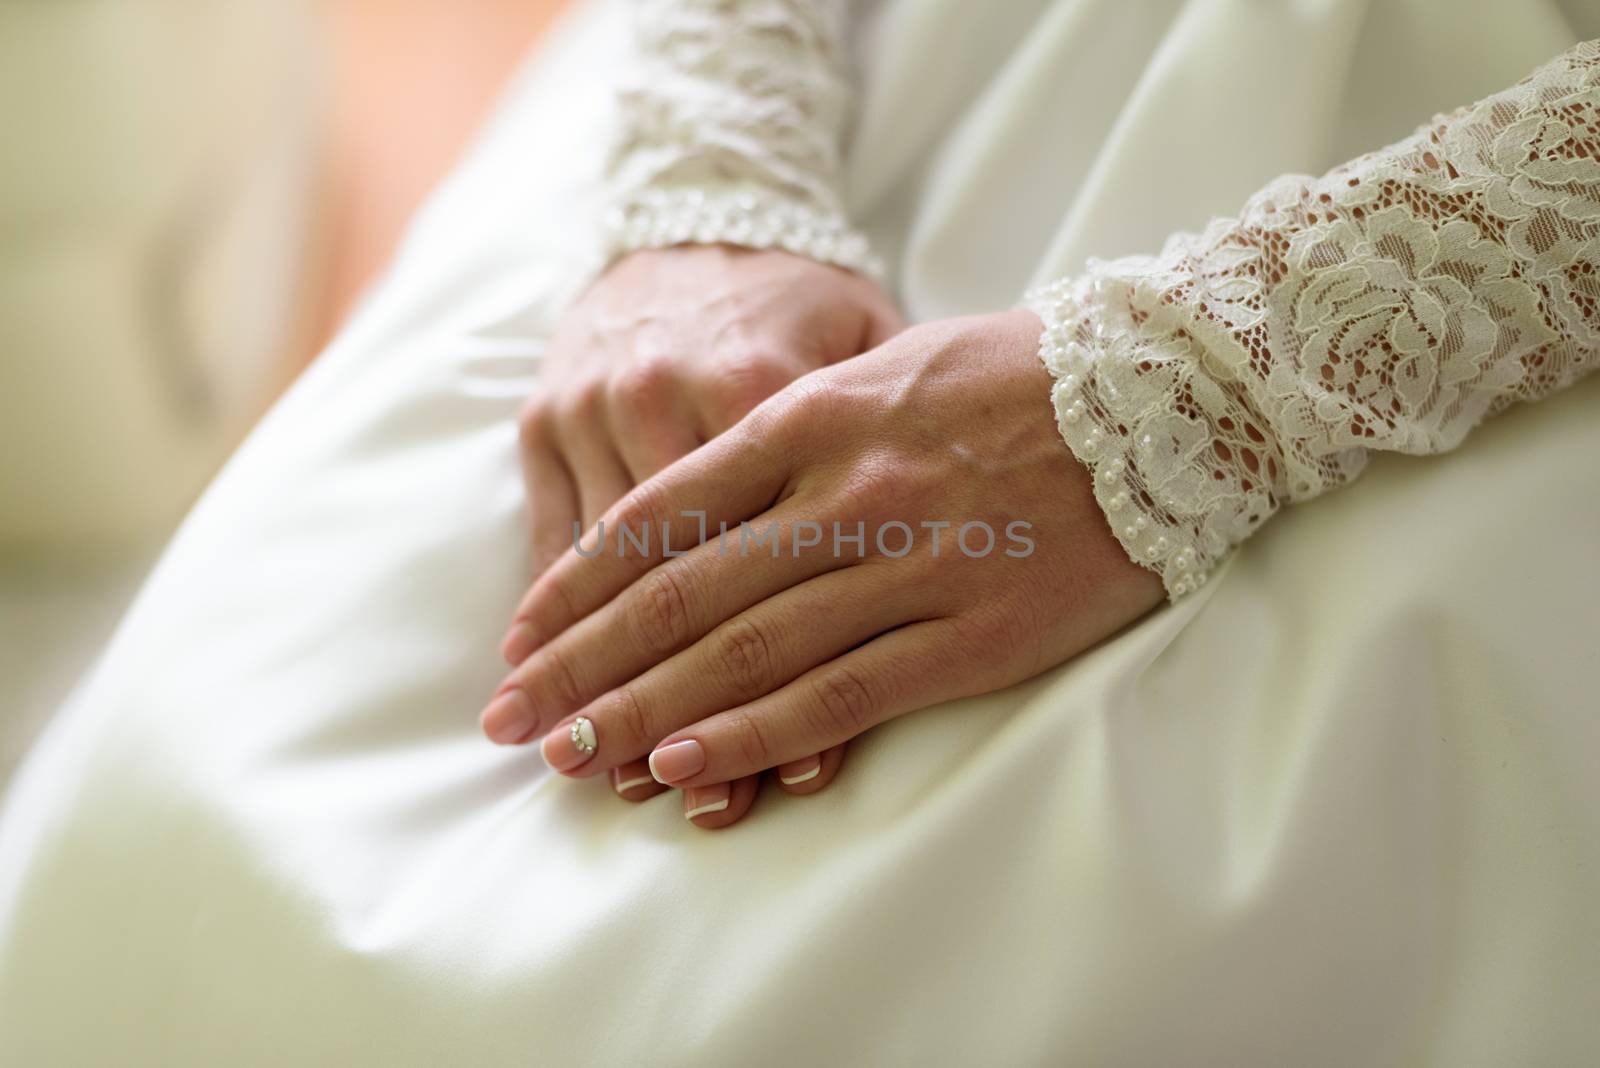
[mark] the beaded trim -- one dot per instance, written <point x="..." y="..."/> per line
<point x="1070" y="357"/>
<point x="660" y="218"/>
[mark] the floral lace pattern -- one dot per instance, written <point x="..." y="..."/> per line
<point x="1389" y="305"/>
<point x="731" y="126"/>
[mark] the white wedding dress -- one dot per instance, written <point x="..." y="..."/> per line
<point x="1337" y="805"/>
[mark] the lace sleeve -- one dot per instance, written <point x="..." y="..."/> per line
<point x="1389" y="305"/>
<point x="731" y="126"/>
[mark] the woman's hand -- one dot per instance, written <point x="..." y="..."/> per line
<point x="669" y="348"/>
<point x="665" y="351"/>
<point x="729" y="659"/>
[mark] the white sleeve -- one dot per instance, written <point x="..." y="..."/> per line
<point x="1389" y="305"/>
<point x="732" y="120"/>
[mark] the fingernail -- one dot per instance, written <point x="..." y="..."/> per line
<point x="622" y="786"/>
<point x="703" y="800"/>
<point x="678" y="761"/>
<point x="517" y="643"/>
<point x="800" y="771"/>
<point x="509" y="717"/>
<point x="570" y="745"/>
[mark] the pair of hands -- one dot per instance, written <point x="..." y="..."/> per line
<point x="931" y="537"/>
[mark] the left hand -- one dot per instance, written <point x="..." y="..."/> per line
<point x="720" y="664"/>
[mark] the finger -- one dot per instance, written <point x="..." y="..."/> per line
<point x="757" y="652"/>
<point x="731" y="391"/>
<point x="651" y="431"/>
<point x="584" y="439"/>
<point x="736" y="477"/>
<point x="633" y="782"/>
<point x="552" y="498"/>
<point x="717" y="805"/>
<point x="809" y="774"/>
<point x="666" y="611"/>
<point x="901" y="671"/>
<point x="883" y="322"/>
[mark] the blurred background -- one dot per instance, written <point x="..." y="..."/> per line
<point x="193" y="196"/>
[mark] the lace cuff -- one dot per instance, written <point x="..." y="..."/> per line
<point x="1119" y="419"/>
<point x="750" y="218"/>
<point x="730" y="124"/>
<point x="1389" y="305"/>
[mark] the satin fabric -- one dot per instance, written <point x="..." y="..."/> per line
<point x="1338" y="808"/>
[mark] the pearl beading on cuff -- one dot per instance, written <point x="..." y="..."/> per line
<point x="1075" y="337"/>
<point x="660" y="218"/>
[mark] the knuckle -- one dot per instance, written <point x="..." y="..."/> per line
<point x="643" y="387"/>
<point x="982" y="631"/>
<point x="871" y="491"/>
<point x="661" y="613"/>
<point x="627" y="712"/>
<point x="745" y="657"/>
<point x="818" y="407"/>
<point x="554" y="606"/>
<point x="813" y="397"/>
<point x="643" y="508"/>
<point x="1012" y="628"/>
<point x="764" y="421"/>
<point x="940" y="573"/>
<point x="579" y="405"/>
<point x="755" y="748"/>
<point x="533" y="421"/>
<point x="746" y="382"/>
<point x="991" y="641"/>
<point x="785" y="420"/>
<point x="560" y="678"/>
<point x="843" y="702"/>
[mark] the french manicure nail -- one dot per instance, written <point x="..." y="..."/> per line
<point x="517" y="644"/>
<point x="622" y="786"/>
<point x="509" y="717"/>
<point x="800" y="771"/>
<point x="704" y="800"/>
<point x="570" y="745"/>
<point x="678" y="761"/>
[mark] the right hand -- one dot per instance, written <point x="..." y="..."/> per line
<point x="666" y="350"/>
